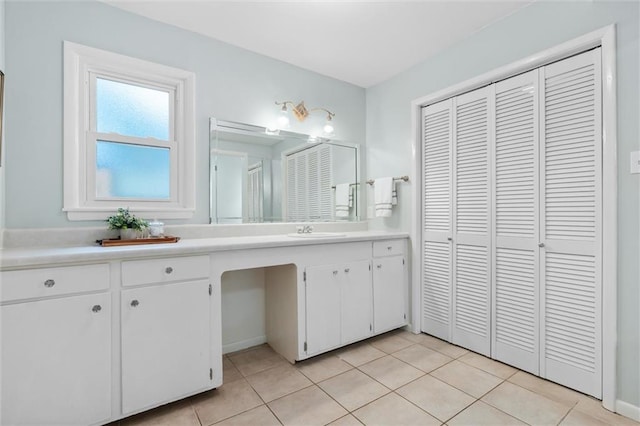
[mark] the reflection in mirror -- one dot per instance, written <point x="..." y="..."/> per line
<point x="257" y="175"/>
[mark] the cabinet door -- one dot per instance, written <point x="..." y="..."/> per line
<point x="56" y="361"/>
<point x="389" y="294"/>
<point x="357" y="301"/>
<point x="165" y="343"/>
<point x="323" y="308"/>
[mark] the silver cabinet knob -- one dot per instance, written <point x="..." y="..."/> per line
<point x="346" y="270"/>
<point x="449" y="239"/>
<point x="168" y="270"/>
<point x="379" y="266"/>
<point x="389" y="248"/>
<point x="134" y="303"/>
<point x="335" y="272"/>
<point x="541" y="245"/>
<point x="96" y="308"/>
<point x="49" y="283"/>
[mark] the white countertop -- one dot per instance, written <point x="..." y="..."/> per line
<point x="16" y="258"/>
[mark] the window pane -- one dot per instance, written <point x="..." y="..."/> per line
<point x="132" y="171"/>
<point x="131" y="110"/>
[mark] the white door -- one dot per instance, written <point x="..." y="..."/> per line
<point x="256" y="193"/>
<point x="571" y="231"/>
<point x="229" y="177"/>
<point x="436" y="220"/>
<point x="471" y="221"/>
<point x="515" y="223"/>
<point x="165" y="343"/>
<point x="389" y="293"/>
<point x="323" y="308"/>
<point x="56" y="365"/>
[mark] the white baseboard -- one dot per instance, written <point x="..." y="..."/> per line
<point x="243" y="344"/>
<point x="628" y="410"/>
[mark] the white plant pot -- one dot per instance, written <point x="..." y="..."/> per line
<point x="129" y="234"/>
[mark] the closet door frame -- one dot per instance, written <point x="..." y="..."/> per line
<point x="604" y="38"/>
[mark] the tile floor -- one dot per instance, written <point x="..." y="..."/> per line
<point x="395" y="379"/>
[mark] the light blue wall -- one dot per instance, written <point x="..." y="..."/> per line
<point x="535" y="28"/>
<point x="231" y="84"/>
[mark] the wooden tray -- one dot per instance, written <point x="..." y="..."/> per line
<point x="138" y="241"/>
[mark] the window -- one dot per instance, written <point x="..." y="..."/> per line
<point x="128" y="136"/>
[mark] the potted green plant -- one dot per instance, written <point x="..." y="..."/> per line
<point x="130" y="226"/>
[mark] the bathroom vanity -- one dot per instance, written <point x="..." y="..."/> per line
<point x="93" y="334"/>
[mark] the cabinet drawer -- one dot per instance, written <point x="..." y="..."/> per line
<point x="136" y="272"/>
<point x="35" y="283"/>
<point x="388" y="248"/>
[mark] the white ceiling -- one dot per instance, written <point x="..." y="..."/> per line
<point x="360" y="42"/>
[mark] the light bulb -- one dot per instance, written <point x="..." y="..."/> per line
<point x="328" y="127"/>
<point x="283" y="119"/>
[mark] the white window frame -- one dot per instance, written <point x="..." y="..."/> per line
<point x="82" y="65"/>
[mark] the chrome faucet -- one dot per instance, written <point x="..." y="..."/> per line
<point x="306" y="229"/>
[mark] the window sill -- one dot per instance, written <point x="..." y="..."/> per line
<point x="104" y="213"/>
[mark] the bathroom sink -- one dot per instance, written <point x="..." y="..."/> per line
<point x="317" y="235"/>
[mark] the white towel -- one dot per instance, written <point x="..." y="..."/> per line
<point x="383" y="196"/>
<point x="344" y="199"/>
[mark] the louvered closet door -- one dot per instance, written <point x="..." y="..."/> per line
<point x="313" y="187"/>
<point x="471" y="221"/>
<point x="325" y="178"/>
<point x="571" y="222"/>
<point x="436" y="220"/>
<point x="297" y="187"/>
<point x="515" y="309"/>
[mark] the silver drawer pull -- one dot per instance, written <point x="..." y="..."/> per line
<point x="389" y="248"/>
<point x="96" y="308"/>
<point x="379" y="266"/>
<point x="347" y="270"/>
<point x="335" y="272"/>
<point x="541" y="245"/>
<point x="49" y="283"/>
<point x="134" y="303"/>
<point x="168" y="270"/>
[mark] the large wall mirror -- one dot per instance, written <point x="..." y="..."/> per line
<point x="261" y="176"/>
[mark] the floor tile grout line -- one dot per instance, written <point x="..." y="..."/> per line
<point x="406" y="363"/>
<point x="422" y="409"/>
<point x="193" y="407"/>
<point x="346" y="415"/>
<point x="337" y="402"/>
<point x="461" y="390"/>
<point x="511" y="415"/>
<point x="274" y="414"/>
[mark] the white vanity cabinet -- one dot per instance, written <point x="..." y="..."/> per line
<point x="338" y="305"/>
<point x="56" y="345"/>
<point x="165" y="331"/>
<point x="390" y="285"/>
<point x="123" y="330"/>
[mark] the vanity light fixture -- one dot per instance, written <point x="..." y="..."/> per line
<point x="301" y="112"/>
